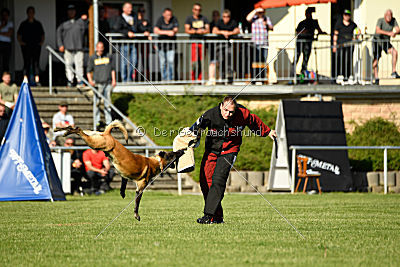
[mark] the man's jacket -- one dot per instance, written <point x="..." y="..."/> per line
<point x="71" y="34"/>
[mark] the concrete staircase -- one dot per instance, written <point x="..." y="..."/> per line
<point x="80" y="106"/>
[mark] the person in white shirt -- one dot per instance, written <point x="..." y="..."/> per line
<point x="62" y="119"/>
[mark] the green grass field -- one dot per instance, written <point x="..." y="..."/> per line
<point x="341" y="229"/>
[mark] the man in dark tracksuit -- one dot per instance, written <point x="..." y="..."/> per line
<point x="225" y="124"/>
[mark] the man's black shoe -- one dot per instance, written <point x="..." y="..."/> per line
<point x="206" y="219"/>
<point x="217" y="220"/>
<point x="376" y="82"/>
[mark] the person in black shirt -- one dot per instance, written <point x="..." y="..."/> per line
<point x="225" y="28"/>
<point x="196" y="25"/>
<point x="30" y="36"/>
<point x="104" y="77"/>
<point x="306" y="28"/>
<point x="167" y="27"/>
<point x="343" y="51"/>
<point x="144" y="26"/>
<point x="215" y="18"/>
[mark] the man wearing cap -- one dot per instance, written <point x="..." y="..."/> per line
<point x="70" y="41"/>
<point x="306" y="29"/>
<point x="62" y="119"/>
<point x="343" y="51"/>
<point x="381" y="41"/>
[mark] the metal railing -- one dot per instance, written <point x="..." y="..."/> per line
<point x="385" y="149"/>
<point x="147" y="149"/>
<point x="52" y="53"/>
<point x="239" y="60"/>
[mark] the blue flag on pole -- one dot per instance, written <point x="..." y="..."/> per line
<point x="27" y="170"/>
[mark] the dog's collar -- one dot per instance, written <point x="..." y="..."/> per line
<point x="160" y="161"/>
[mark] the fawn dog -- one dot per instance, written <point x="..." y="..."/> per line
<point x="129" y="165"/>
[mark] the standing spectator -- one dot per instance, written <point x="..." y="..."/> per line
<point x="144" y="26"/>
<point x="342" y="47"/>
<point x="225" y="28"/>
<point x="215" y="18"/>
<point x="127" y="25"/>
<point x="306" y="29"/>
<point x="104" y="77"/>
<point x="70" y="40"/>
<point x="104" y="27"/>
<point x="260" y="25"/>
<point x="381" y="41"/>
<point x="98" y="171"/>
<point x="4" y="119"/>
<point x="196" y="25"/>
<point x="30" y="36"/>
<point x="8" y="93"/>
<point x="167" y="27"/>
<point x="6" y="34"/>
<point x="77" y="168"/>
<point x="60" y="120"/>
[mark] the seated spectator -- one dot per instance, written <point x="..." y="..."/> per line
<point x="77" y="168"/>
<point x="8" y="93"/>
<point x="52" y="143"/>
<point x="225" y="28"/>
<point x="3" y="122"/>
<point x="46" y="129"/>
<point x="60" y="120"/>
<point x="30" y="36"/>
<point x="98" y="170"/>
<point x="167" y="27"/>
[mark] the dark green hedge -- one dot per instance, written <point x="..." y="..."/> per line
<point x="375" y="132"/>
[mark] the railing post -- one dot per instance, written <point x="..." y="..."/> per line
<point x="293" y="170"/>
<point x="146" y="152"/>
<point x="385" y="171"/>
<point x="94" y="111"/>
<point x="179" y="184"/>
<point x="50" y="73"/>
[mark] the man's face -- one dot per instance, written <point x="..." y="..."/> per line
<point x="388" y="16"/>
<point x="2" y="110"/>
<point x="227" y="110"/>
<point x="127" y="9"/>
<point x="31" y="13"/>
<point x="71" y="13"/>
<point x="226" y="18"/>
<point x="63" y="108"/>
<point x="100" y="48"/>
<point x="7" y="79"/>
<point x="69" y="142"/>
<point x="196" y="10"/>
<point x="167" y="15"/>
<point x="346" y="17"/>
<point x="215" y="16"/>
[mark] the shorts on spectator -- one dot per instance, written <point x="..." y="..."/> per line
<point x="378" y="46"/>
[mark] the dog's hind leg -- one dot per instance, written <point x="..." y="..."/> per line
<point x="123" y="187"/>
<point x="140" y="185"/>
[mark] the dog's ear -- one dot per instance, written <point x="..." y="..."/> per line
<point x="162" y="154"/>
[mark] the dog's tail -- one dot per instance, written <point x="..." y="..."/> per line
<point x="119" y="125"/>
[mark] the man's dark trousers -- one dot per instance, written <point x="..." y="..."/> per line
<point x="214" y="173"/>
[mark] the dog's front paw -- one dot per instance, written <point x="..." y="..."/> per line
<point x="122" y="193"/>
<point x="137" y="217"/>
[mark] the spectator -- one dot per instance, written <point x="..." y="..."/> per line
<point x="4" y="119"/>
<point x="104" y="77"/>
<point x="225" y="28"/>
<point x="52" y="143"/>
<point x="46" y="129"/>
<point x="98" y="170"/>
<point x="144" y="26"/>
<point x="260" y="25"/>
<point x="104" y="27"/>
<point x="167" y="27"/>
<point x="70" y="40"/>
<point x="212" y="48"/>
<point x="77" y="168"/>
<point x="62" y="119"/>
<point x="306" y="29"/>
<point x="381" y="41"/>
<point x="30" y="36"/>
<point x="342" y="46"/>
<point x="8" y="93"/>
<point x="196" y="25"/>
<point x="6" y="34"/>
<point x="127" y="25"/>
<point x="215" y="18"/>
